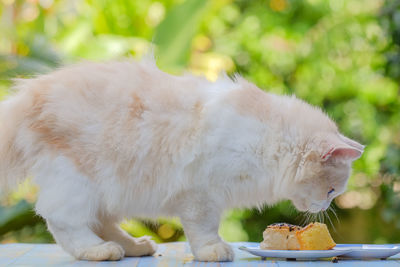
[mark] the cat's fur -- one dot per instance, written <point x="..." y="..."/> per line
<point x="118" y="140"/>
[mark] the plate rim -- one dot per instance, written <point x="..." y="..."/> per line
<point x="343" y="252"/>
<point x="394" y="247"/>
<point x="306" y="253"/>
<point x="293" y="250"/>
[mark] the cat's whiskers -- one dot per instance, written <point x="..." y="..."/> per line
<point x="299" y="217"/>
<point x="306" y="218"/>
<point x="314" y="217"/>
<point x="303" y="215"/>
<point x="332" y="209"/>
<point x="310" y="218"/>
<point x="330" y="221"/>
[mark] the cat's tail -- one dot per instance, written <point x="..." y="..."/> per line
<point x="14" y="163"/>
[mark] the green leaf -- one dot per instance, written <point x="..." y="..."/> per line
<point x="16" y="217"/>
<point x="174" y="34"/>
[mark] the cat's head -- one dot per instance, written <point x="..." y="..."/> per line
<point x="322" y="171"/>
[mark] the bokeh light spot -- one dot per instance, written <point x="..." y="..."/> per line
<point x="278" y="5"/>
<point x="165" y="231"/>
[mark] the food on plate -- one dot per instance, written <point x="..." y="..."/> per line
<point x="315" y="236"/>
<point x="280" y="236"/>
<point x="283" y="236"/>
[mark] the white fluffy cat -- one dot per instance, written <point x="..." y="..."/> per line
<point x="118" y="140"/>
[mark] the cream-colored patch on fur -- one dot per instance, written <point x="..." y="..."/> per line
<point x="251" y="101"/>
<point x="137" y="106"/>
<point x="57" y="137"/>
<point x="124" y="139"/>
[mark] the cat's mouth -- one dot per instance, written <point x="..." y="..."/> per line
<point x="318" y="207"/>
<point x="315" y="208"/>
<point x="303" y="206"/>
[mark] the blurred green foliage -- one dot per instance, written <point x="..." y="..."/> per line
<point x="341" y="55"/>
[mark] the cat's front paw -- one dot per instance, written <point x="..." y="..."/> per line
<point x="143" y="246"/>
<point x="110" y="251"/>
<point x="216" y="252"/>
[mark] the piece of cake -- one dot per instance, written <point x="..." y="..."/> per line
<point x="283" y="236"/>
<point x="315" y="236"/>
<point x="280" y="236"/>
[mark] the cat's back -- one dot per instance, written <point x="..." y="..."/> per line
<point x="101" y="83"/>
<point x="109" y="112"/>
<point x="97" y="90"/>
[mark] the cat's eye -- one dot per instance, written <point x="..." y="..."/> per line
<point x="331" y="191"/>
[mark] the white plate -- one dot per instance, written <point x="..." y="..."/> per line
<point x="296" y="254"/>
<point x="364" y="251"/>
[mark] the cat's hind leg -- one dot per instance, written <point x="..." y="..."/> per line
<point x="69" y="203"/>
<point x="109" y="230"/>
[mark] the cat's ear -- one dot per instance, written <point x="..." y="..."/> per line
<point x="343" y="149"/>
<point x="352" y="143"/>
